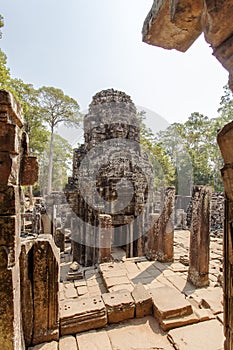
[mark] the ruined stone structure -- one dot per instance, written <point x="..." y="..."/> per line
<point x="225" y="141"/>
<point x="111" y="175"/>
<point x="176" y="24"/>
<point x="28" y="270"/>
<point x="200" y="236"/>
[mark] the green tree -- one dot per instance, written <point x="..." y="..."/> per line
<point x="28" y="97"/>
<point x="5" y="79"/>
<point x="1" y="24"/>
<point x="56" y="108"/>
<point x="62" y="164"/>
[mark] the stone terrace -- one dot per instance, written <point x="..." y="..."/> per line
<point x="140" y="305"/>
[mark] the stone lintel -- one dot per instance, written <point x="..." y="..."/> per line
<point x="173" y="24"/>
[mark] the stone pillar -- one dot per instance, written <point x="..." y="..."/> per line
<point x="165" y="235"/>
<point x="10" y="309"/>
<point x="105" y="238"/>
<point x="225" y="142"/>
<point x="152" y="237"/>
<point x="200" y="236"/>
<point x="39" y="268"/>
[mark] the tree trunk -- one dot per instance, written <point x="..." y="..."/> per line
<point x="50" y="170"/>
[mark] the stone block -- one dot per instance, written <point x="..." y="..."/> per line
<point x="120" y="287"/>
<point x="9" y="104"/>
<point x="169" y="303"/>
<point x="94" y="341"/>
<point x="206" y="335"/>
<point x="9" y="200"/>
<point x="8" y="168"/>
<point x="68" y="343"/>
<point x="143" y="301"/>
<point x="29" y="171"/>
<point x="9" y="138"/>
<point x="82" y="315"/>
<point x="175" y="322"/>
<point x="120" y="306"/>
<point x="9" y="230"/>
<point x="53" y="345"/>
<point x="113" y="281"/>
<point x="173" y="24"/>
<point x="216" y="12"/>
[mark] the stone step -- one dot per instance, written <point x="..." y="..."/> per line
<point x="169" y="303"/>
<point x="81" y="315"/>
<point x="143" y="301"/>
<point x="120" y="306"/>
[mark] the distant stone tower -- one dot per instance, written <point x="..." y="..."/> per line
<point x="111" y="181"/>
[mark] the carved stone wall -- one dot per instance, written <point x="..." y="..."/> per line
<point x="111" y="175"/>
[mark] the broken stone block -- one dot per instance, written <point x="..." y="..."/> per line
<point x="206" y="335"/>
<point x="173" y="24"/>
<point x="169" y="303"/>
<point x="120" y="306"/>
<point x="143" y="301"/>
<point x="216" y="12"/>
<point x="82" y="315"/>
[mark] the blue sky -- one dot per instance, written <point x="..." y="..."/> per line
<point x="84" y="46"/>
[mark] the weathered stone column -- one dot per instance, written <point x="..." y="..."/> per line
<point x="165" y="236"/>
<point x="225" y="142"/>
<point x="105" y="238"/>
<point x="200" y="236"/>
<point x="152" y="237"/>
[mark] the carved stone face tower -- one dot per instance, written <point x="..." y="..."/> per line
<point x="110" y="177"/>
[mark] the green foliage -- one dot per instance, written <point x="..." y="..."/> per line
<point x="1" y="24"/>
<point x="62" y="164"/>
<point x="33" y="120"/>
<point x="56" y="107"/>
<point x="5" y="80"/>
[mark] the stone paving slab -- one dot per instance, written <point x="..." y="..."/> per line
<point x="138" y="334"/>
<point x="206" y="335"/>
<point x="93" y="341"/>
<point x="45" y="346"/>
<point x="68" y="343"/>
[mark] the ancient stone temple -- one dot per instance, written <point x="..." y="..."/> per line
<point x="29" y="267"/>
<point x="112" y="183"/>
<point x="176" y="24"/>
